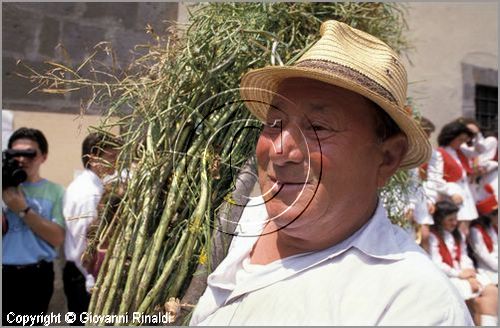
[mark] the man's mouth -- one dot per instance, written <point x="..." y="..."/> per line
<point x="287" y="184"/>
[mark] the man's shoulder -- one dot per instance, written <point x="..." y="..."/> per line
<point x="419" y="270"/>
<point x="54" y="187"/>
<point x="45" y="188"/>
<point x="83" y="184"/>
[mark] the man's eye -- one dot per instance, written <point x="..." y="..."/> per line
<point x="319" y="127"/>
<point x="274" y="124"/>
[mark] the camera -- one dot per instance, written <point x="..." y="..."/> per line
<point x="12" y="173"/>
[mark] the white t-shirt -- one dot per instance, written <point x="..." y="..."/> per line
<point x="79" y="209"/>
<point x="377" y="276"/>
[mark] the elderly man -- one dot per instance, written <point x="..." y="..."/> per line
<point x="317" y="248"/>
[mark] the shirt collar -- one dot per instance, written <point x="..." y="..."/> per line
<point x="375" y="239"/>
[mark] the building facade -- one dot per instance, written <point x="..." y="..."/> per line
<point x="453" y="67"/>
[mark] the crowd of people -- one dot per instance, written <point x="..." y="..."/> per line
<point x="39" y="216"/>
<point x="454" y="208"/>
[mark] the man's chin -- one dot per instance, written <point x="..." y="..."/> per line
<point x="282" y="213"/>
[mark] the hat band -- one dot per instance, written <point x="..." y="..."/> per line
<point x="348" y="74"/>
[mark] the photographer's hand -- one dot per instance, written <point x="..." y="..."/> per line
<point x="49" y="231"/>
<point x="14" y="199"/>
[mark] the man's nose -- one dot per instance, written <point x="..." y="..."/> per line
<point x="289" y="146"/>
<point x="22" y="159"/>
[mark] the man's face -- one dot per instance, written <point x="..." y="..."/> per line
<point x="30" y="165"/>
<point x="104" y="163"/>
<point x="318" y="157"/>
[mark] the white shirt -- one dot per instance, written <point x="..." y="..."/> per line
<point x="418" y="199"/>
<point x="486" y="260"/>
<point x="79" y="209"/>
<point x="377" y="276"/>
<point x="435" y="181"/>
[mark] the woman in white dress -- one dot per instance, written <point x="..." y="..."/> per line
<point x="448" y="170"/>
<point x="484" y="239"/>
<point x="448" y="251"/>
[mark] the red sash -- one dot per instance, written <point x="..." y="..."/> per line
<point x="445" y="252"/>
<point x="486" y="237"/>
<point x="452" y="171"/>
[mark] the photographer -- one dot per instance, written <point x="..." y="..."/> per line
<point x="35" y="227"/>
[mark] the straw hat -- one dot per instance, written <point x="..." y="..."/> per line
<point x="354" y="60"/>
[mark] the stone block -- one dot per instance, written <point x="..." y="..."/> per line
<point x="55" y="9"/>
<point x="49" y="37"/>
<point x="79" y="40"/>
<point x="18" y="28"/>
<point x="155" y="13"/>
<point x="124" y="42"/>
<point x="124" y="13"/>
<point x="16" y="88"/>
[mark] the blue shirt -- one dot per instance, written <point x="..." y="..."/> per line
<point x="20" y="245"/>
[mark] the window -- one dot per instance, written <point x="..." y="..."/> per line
<point x="487" y="107"/>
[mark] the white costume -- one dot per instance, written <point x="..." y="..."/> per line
<point x="484" y="151"/>
<point x="463" y="286"/>
<point x="79" y="210"/>
<point x="437" y="183"/>
<point x="377" y="276"/>
<point x="487" y="261"/>
<point x="419" y="198"/>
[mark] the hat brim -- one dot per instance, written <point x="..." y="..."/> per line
<point x="258" y="87"/>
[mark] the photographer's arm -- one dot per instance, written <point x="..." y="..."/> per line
<point x="47" y="230"/>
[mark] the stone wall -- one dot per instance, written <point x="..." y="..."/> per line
<point x="32" y="32"/>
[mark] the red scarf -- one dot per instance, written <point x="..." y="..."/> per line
<point x="452" y="171"/>
<point x="486" y="237"/>
<point x="445" y="252"/>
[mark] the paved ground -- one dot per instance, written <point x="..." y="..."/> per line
<point x="58" y="301"/>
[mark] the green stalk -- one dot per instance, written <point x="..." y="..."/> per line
<point x="139" y="245"/>
<point x="97" y="295"/>
<point x="109" y="264"/>
<point x="167" y="215"/>
<point x="193" y="229"/>
<point x="167" y="269"/>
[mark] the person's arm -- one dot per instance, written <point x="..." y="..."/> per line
<point x="480" y="250"/>
<point x="465" y="260"/>
<point x="47" y="230"/>
<point x="477" y="148"/>
<point x="435" y="183"/>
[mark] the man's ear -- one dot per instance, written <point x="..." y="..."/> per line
<point x="393" y="151"/>
<point x="92" y="161"/>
